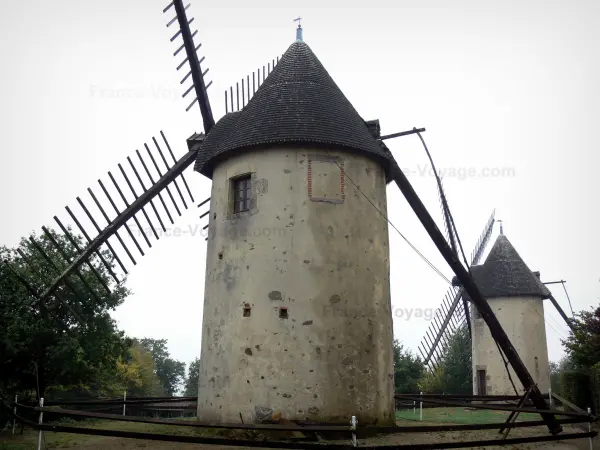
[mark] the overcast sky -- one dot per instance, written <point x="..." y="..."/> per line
<point x="504" y="88"/>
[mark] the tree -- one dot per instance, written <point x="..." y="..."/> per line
<point x="408" y="369"/>
<point x="432" y="382"/>
<point x="554" y="377"/>
<point x="169" y="371"/>
<point x="583" y="344"/>
<point x="134" y="372"/>
<point x="453" y="372"/>
<point x="457" y="370"/>
<point x="191" y="382"/>
<point x="556" y="371"/>
<point x="68" y="339"/>
<point x="137" y="375"/>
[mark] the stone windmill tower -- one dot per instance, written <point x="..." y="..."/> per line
<point x="516" y="296"/>
<point x="297" y="315"/>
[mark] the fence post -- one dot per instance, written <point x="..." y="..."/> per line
<point x="551" y="400"/>
<point x="421" y="407"/>
<point x="40" y="421"/>
<point x="589" y="410"/>
<point x="15" y="414"/>
<point x="124" y="400"/>
<point x="414" y="406"/>
<point x="353" y="424"/>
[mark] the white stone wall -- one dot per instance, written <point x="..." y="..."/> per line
<point x="523" y="321"/>
<point x="324" y="255"/>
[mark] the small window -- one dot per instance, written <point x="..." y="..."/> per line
<point x="283" y="313"/>
<point x="247" y="310"/>
<point x="242" y="193"/>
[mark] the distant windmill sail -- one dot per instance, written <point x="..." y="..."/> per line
<point x="453" y="316"/>
<point x="450" y="232"/>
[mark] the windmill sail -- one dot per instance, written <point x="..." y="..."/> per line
<point x="441" y="328"/>
<point x="450" y="232"/>
<point x="243" y="96"/>
<point x="159" y="192"/>
<point x="148" y="197"/>
<point x="191" y="51"/>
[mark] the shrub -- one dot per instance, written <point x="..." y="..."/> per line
<point x="595" y="385"/>
<point x="576" y="387"/>
<point x="432" y="382"/>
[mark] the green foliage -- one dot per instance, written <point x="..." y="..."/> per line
<point x="138" y="375"/>
<point x="191" y="382"/>
<point x="556" y="370"/>
<point x="457" y="363"/>
<point x="583" y="344"/>
<point x="69" y="347"/>
<point x="432" y="382"/>
<point x="169" y="371"/>
<point x="408" y="369"/>
<point x="453" y="374"/>
<point x="555" y="377"/>
<point x="576" y="388"/>
<point x="595" y="386"/>
<point x="44" y="345"/>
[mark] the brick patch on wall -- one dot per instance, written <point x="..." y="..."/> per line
<point x="334" y="160"/>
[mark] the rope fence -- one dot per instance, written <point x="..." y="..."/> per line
<point x="353" y="430"/>
<point x="494" y="407"/>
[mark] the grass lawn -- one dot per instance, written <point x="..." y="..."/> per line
<point x="453" y="415"/>
<point x="460" y="415"/>
<point x="67" y="440"/>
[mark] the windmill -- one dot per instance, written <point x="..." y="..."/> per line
<point x="450" y="316"/>
<point x="206" y="148"/>
<point x="506" y="276"/>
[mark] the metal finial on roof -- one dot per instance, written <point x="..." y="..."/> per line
<point x="298" y="30"/>
<point x="501" y="229"/>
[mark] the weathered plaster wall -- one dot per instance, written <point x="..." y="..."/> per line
<point x="327" y="262"/>
<point x="523" y="321"/>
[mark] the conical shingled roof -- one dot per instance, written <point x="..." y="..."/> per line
<point x="298" y="103"/>
<point x="505" y="274"/>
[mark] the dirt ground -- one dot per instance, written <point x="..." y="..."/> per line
<point x="63" y="440"/>
<point x="457" y="436"/>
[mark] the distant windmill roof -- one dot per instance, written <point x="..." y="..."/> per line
<point x="298" y="103"/>
<point x="505" y="274"/>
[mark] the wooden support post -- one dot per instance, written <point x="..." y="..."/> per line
<point x="15" y="415"/>
<point x="353" y="424"/>
<point x="514" y="415"/>
<point x="590" y="429"/>
<point x="567" y="403"/>
<point x="40" y="421"/>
